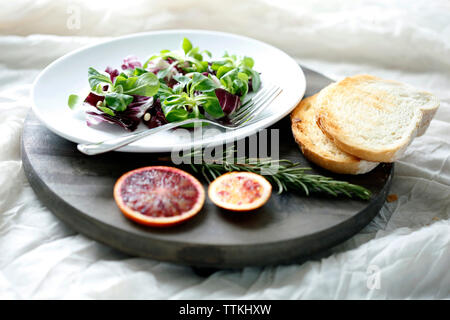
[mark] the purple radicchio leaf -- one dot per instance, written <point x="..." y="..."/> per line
<point x="157" y="118"/>
<point x="113" y="73"/>
<point x="93" y="99"/>
<point x="127" y="122"/>
<point x="228" y="102"/>
<point x="131" y="62"/>
<point x="128" y="119"/>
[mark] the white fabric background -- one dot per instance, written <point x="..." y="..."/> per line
<point x="403" y="40"/>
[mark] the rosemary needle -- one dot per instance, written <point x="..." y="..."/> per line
<point x="288" y="176"/>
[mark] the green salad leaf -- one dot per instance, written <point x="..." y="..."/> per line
<point x="202" y="83"/>
<point x="190" y="59"/>
<point x="96" y="78"/>
<point x="211" y="104"/>
<point x="235" y="73"/>
<point x="106" y="110"/>
<point x="186" y="45"/>
<point x="184" y="100"/>
<point x="147" y="84"/>
<point x="118" y="101"/>
<point x="235" y="82"/>
<point x="74" y="100"/>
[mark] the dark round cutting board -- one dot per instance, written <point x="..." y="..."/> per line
<point x="290" y="227"/>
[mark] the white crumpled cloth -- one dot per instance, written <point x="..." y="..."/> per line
<point x="403" y="253"/>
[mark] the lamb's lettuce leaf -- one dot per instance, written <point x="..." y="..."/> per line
<point x="74" y="101"/>
<point x="95" y="78"/>
<point x="118" y="101"/>
<point x="237" y="74"/>
<point x="147" y="84"/>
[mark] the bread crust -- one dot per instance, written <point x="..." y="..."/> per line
<point x="330" y="125"/>
<point x="311" y="141"/>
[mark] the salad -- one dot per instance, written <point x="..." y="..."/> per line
<point x="169" y="87"/>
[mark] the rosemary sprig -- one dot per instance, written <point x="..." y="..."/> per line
<point x="284" y="174"/>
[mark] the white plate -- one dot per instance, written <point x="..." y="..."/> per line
<point x="68" y="75"/>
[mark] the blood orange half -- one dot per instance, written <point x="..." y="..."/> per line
<point x="240" y="191"/>
<point x="159" y="196"/>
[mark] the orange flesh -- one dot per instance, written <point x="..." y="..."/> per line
<point x="239" y="190"/>
<point x="157" y="193"/>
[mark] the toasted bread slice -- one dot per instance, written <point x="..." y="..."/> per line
<point x="372" y="118"/>
<point x="317" y="147"/>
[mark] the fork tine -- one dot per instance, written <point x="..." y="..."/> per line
<point x="252" y="101"/>
<point x="249" y="117"/>
<point x="261" y="107"/>
<point x="266" y="103"/>
<point x="255" y="105"/>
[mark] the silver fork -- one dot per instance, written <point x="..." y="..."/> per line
<point x="247" y="112"/>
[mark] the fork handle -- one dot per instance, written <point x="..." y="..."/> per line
<point x="116" y="143"/>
